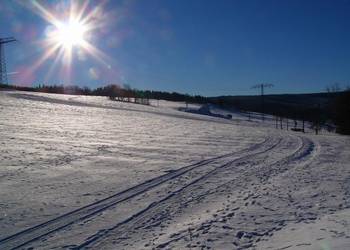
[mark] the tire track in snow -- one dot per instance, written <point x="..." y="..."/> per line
<point x="306" y="148"/>
<point x="297" y="157"/>
<point x="101" y="235"/>
<point x="35" y="233"/>
<point x="302" y="155"/>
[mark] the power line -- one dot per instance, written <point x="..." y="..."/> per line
<point x="3" y="73"/>
<point x="262" y="86"/>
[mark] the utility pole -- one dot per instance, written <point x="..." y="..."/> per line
<point x="262" y="86"/>
<point x="3" y="72"/>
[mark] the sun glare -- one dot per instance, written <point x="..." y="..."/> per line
<point x="70" y="34"/>
<point x="70" y="29"/>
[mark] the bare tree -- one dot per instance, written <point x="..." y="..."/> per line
<point x="333" y="88"/>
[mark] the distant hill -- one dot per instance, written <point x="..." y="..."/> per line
<point x="318" y="108"/>
<point x="286" y="105"/>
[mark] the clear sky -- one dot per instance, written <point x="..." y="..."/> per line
<point x="216" y="47"/>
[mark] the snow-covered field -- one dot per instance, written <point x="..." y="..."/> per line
<point x="80" y="172"/>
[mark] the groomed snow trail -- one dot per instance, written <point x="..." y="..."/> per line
<point x="166" y="212"/>
<point x="199" y="184"/>
<point x="206" y="176"/>
<point x="85" y="213"/>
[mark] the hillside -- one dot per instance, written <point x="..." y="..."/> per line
<point x="84" y="172"/>
<point x="282" y="104"/>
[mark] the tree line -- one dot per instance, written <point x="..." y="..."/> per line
<point x="113" y="91"/>
<point x="320" y="109"/>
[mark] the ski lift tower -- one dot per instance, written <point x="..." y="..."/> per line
<point x="3" y="72"/>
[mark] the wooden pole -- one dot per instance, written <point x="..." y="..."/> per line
<point x="276" y="121"/>
<point x="281" y="123"/>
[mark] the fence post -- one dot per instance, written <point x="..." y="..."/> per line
<point x="281" y="120"/>
<point x="276" y="121"/>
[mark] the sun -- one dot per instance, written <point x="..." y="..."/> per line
<point x="71" y="28"/>
<point x="68" y="35"/>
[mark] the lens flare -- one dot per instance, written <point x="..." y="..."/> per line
<point x="69" y="30"/>
<point x="69" y="34"/>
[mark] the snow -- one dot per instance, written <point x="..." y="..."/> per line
<point x="85" y="172"/>
<point x="330" y="231"/>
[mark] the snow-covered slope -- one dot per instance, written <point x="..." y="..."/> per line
<point x="85" y="172"/>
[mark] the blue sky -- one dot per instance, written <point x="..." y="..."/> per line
<point x="202" y="47"/>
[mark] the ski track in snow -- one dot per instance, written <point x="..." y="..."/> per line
<point x="22" y="238"/>
<point x="262" y="182"/>
<point x="302" y="151"/>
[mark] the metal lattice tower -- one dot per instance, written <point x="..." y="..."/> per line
<point x="262" y="86"/>
<point x="3" y="72"/>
